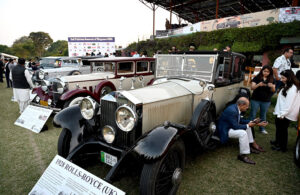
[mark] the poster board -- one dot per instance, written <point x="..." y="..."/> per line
<point x="63" y="177"/>
<point x="80" y="46"/>
<point x="33" y="118"/>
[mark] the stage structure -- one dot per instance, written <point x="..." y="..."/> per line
<point x="195" y="11"/>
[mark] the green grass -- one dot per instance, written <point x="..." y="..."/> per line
<point x="24" y="156"/>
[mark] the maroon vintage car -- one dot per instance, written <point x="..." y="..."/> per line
<point x="115" y="74"/>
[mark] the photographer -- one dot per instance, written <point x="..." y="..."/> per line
<point x="263" y="86"/>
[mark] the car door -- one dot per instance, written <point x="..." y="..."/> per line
<point x="222" y="82"/>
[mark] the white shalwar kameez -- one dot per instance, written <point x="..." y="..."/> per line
<point x="23" y="95"/>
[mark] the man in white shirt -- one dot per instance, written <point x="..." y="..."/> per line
<point x="22" y="83"/>
<point x="282" y="63"/>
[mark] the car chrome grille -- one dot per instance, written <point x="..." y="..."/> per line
<point x="107" y="117"/>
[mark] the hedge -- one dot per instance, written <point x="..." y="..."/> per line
<point x="249" y="39"/>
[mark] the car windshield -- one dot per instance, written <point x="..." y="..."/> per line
<point x="47" y="63"/>
<point x="196" y="66"/>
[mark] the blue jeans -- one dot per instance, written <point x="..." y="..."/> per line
<point x="278" y="84"/>
<point x="263" y="107"/>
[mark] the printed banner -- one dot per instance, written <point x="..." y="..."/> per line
<point x="33" y="118"/>
<point x="241" y="21"/>
<point x="87" y="46"/>
<point x="63" y="178"/>
<point x="289" y="14"/>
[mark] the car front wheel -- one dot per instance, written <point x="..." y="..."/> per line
<point x="297" y="152"/>
<point x="73" y="101"/>
<point x="164" y="175"/>
<point x="63" y="145"/>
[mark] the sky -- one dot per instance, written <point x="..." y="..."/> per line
<point x="126" y="20"/>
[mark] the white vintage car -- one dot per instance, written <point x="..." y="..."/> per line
<point x="119" y="73"/>
<point x="148" y="129"/>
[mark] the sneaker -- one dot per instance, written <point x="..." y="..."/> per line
<point x="264" y="132"/>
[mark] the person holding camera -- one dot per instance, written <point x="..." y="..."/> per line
<point x="263" y="86"/>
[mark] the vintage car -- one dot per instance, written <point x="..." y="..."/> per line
<point x="148" y="129"/>
<point x="113" y="73"/>
<point x="297" y="147"/>
<point x="61" y="66"/>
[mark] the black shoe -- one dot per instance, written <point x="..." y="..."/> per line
<point x="254" y="150"/>
<point x="245" y="159"/>
<point x="274" y="143"/>
<point x="276" y="148"/>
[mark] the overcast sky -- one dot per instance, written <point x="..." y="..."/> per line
<point x="126" y="20"/>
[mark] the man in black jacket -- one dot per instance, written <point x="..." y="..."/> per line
<point x="22" y="83"/>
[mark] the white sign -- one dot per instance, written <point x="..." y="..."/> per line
<point x="81" y="46"/>
<point x="289" y="14"/>
<point x="63" y="178"/>
<point x="33" y="118"/>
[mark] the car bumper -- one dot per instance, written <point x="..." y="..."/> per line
<point x="55" y="110"/>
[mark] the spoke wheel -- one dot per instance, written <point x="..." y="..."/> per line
<point x="63" y="145"/>
<point x="297" y="152"/>
<point x="164" y="175"/>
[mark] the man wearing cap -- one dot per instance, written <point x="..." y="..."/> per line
<point x="22" y="83"/>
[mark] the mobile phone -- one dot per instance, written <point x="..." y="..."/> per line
<point x="256" y="121"/>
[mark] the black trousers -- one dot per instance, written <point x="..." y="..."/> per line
<point x="282" y="132"/>
<point x="1" y="74"/>
<point x="8" y="81"/>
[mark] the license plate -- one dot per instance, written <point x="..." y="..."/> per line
<point x="108" y="159"/>
<point x="43" y="103"/>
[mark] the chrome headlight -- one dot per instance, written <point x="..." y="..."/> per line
<point x="202" y="83"/>
<point x="49" y="102"/>
<point x="60" y="87"/>
<point x="125" y="118"/>
<point x="108" y="134"/>
<point x="88" y="108"/>
<point x="41" y="74"/>
<point x="44" y="85"/>
<point x="37" y="99"/>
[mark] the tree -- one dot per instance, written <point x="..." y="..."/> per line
<point x="5" y="49"/>
<point x="41" y="41"/>
<point x="57" y="48"/>
<point x="23" y="47"/>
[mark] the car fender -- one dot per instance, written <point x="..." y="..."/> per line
<point x="151" y="82"/>
<point x="70" y="118"/>
<point x="101" y="85"/>
<point x="43" y="96"/>
<point x="156" y="143"/>
<point x="77" y="92"/>
<point x="202" y="107"/>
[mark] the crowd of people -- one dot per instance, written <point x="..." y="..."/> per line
<point x="280" y="80"/>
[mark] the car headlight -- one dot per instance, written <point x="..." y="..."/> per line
<point x="108" y="134"/>
<point x="37" y="99"/>
<point x="41" y="74"/>
<point x="125" y="118"/>
<point x="88" y="108"/>
<point x="44" y="85"/>
<point x="60" y="87"/>
<point x="49" y="102"/>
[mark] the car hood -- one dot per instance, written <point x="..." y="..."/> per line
<point x="61" y="69"/>
<point x="163" y="91"/>
<point x="85" y="77"/>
